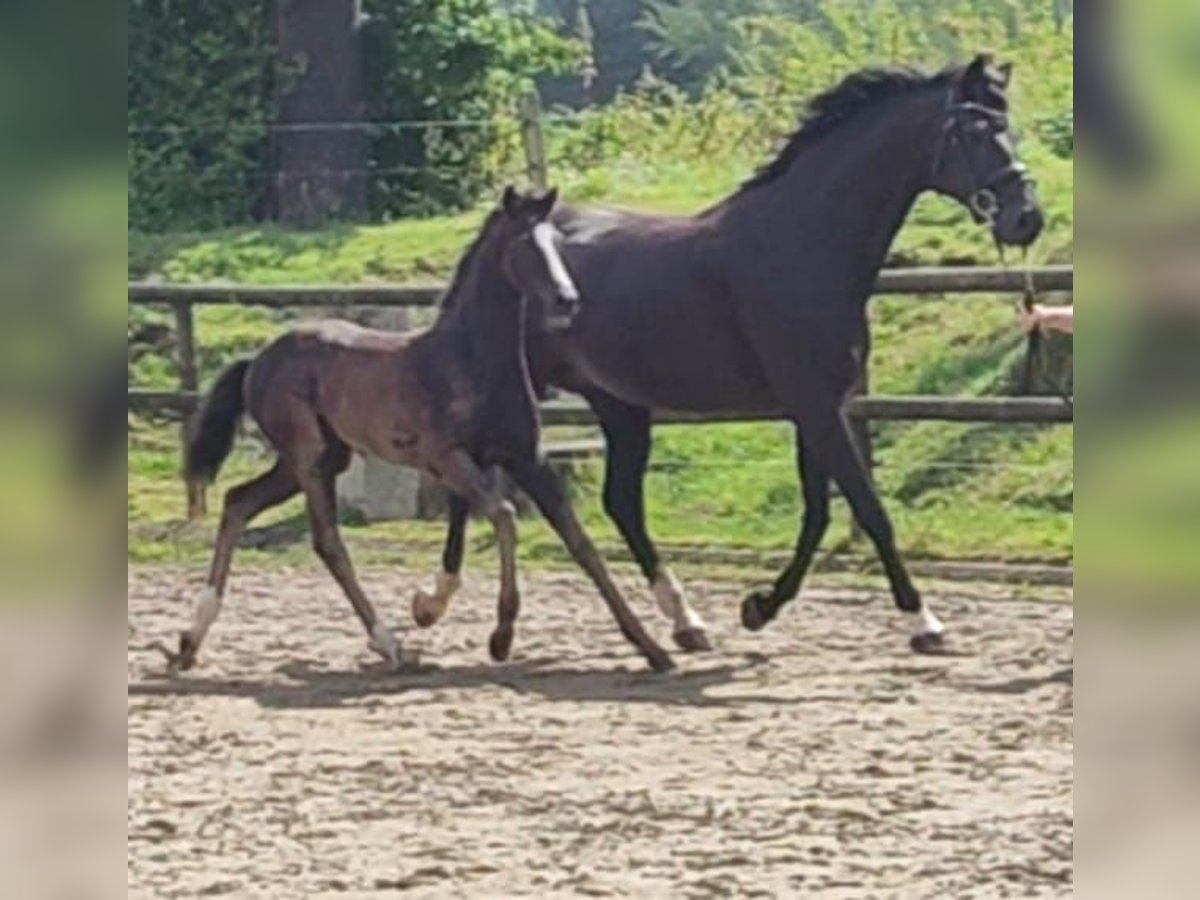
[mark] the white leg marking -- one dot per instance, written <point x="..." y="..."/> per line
<point x="925" y="622"/>
<point x="384" y="643"/>
<point x="205" y="612"/>
<point x="669" y="594"/>
<point x="429" y="608"/>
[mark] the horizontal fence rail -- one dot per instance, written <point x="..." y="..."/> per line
<point x="1031" y="410"/>
<point x="915" y="282"/>
<point x="912" y="282"/>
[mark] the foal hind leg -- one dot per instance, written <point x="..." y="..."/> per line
<point x="429" y="606"/>
<point x="242" y="504"/>
<point x="317" y="482"/>
<point x="627" y="435"/>
<point x="762" y="606"/>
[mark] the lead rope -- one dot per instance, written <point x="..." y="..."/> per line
<point x="1035" y="348"/>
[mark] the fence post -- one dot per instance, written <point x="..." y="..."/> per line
<point x="530" y="115"/>
<point x="189" y="383"/>
<point x="861" y="428"/>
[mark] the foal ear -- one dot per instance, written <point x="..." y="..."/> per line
<point x="511" y="201"/>
<point x="978" y="66"/>
<point x="1004" y="74"/>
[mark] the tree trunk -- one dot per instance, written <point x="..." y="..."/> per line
<point x="321" y="148"/>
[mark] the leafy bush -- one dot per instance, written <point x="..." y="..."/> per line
<point x="199" y="85"/>
<point x="203" y="77"/>
<point x="449" y="61"/>
<point x="1057" y="132"/>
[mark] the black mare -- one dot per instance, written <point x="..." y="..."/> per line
<point x="758" y="304"/>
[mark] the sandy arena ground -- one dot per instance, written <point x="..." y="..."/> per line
<point x="817" y="757"/>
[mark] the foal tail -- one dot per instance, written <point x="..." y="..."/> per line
<point x="210" y="438"/>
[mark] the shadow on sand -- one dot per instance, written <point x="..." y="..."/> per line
<point x="1025" y="685"/>
<point x="310" y="687"/>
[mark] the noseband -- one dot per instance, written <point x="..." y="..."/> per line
<point x="982" y="199"/>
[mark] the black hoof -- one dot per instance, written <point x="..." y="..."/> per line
<point x="660" y="661"/>
<point x="424" y="620"/>
<point x="928" y="643"/>
<point x="754" y="616"/>
<point x="692" y="640"/>
<point x="184" y="658"/>
<point x="500" y="644"/>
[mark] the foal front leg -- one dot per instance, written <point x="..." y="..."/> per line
<point x="428" y="607"/>
<point x="542" y="485"/>
<point x="473" y="487"/>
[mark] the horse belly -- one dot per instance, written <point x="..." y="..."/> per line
<point x="699" y="368"/>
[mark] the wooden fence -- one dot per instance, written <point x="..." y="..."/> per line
<point x="183" y="298"/>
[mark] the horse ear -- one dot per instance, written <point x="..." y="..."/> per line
<point x="1004" y="74"/>
<point x="979" y="65"/>
<point x="511" y="201"/>
<point x="546" y="203"/>
<point x="975" y="77"/>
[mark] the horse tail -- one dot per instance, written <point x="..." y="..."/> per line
<point x="210" y="438"/>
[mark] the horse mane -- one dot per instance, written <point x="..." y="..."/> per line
<point x="448" y="302"/>
<point x="854" y="94"/>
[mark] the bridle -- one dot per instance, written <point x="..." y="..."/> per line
<point x="984" y="205"/>
<point x="981" y="199"/>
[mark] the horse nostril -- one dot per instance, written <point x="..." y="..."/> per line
<point x="1030" y="220"/>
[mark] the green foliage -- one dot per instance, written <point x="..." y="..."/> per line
<point x="692" y="41"/>
<point x="1057" y="132"/>
<point x="621" y="50"/>
<point x="199" y="87"/>
<point x="953" y="490"/>
<point x="203" y="77"/>
<point x="781" y="57"/>
<point x="449" y="61"/>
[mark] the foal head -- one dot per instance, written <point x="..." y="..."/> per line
<point x="976" y="161"/>
<point x="530" y="256"/>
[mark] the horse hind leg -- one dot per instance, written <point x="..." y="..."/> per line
<point x="627" y="435"/>
<point x="242" y="504"/>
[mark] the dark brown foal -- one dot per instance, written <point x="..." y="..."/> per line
<point x="455" y="401"/>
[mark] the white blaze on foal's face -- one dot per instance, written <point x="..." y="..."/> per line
<point x="545" y="238"/>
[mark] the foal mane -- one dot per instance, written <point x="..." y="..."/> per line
<point x="853" y="95"/>
<point x="448" y="302"/>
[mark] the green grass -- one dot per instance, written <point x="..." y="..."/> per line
<point x="958" y="491"/>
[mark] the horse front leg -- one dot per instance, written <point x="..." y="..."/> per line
<point x="828" y="437"/>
